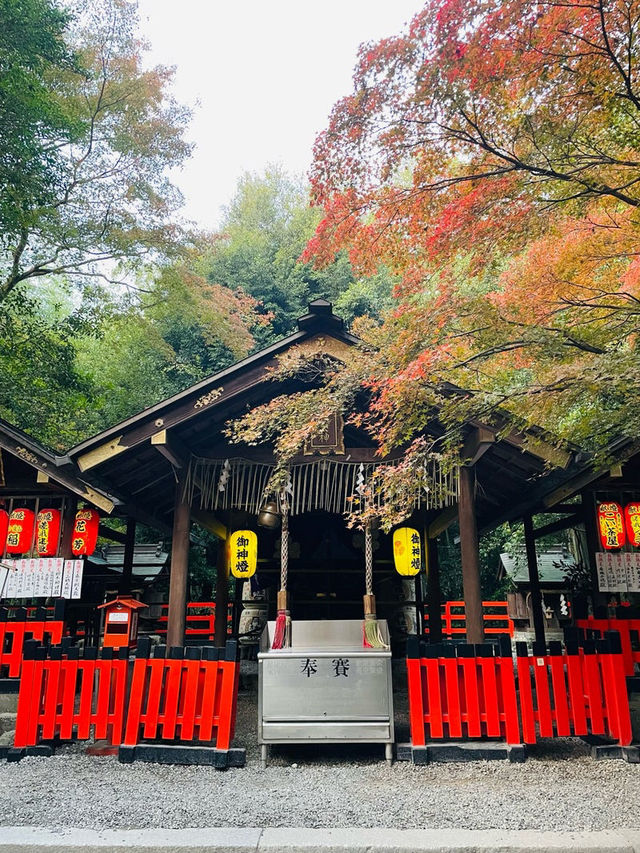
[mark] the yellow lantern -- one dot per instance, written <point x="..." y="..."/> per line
<point x="243" y="553"/>
<point x="407" y="551"/>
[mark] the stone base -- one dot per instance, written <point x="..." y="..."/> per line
<point x="602" y="749"/>
<point x="450" y="751"/>
<point x="42" y="750"/>
<point x="159" y="753"/>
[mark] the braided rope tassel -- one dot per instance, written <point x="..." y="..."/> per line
<point x="371" y="636"/>
<point x="282" y="632"/>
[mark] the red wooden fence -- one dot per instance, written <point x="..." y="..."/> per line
<point x="629" y="630"/>
<point x="191" y="695"/>
<point x="454" y="621"/>
<point x="468" y="691"/>
<point x="71" y="698"/>
<point x="14" y="632"/>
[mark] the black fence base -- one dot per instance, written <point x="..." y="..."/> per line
<point x="450" y="751"/>
<point x="160" y="753"/>
<point x="602" y="749"/>
<point x="42" y="750"/>
<point x="9" y="685"/>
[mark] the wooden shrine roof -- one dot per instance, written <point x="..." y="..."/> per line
<point x="135" y="461"/>
<point x="29" y="469"/>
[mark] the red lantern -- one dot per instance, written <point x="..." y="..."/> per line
<point x="611" y="526"/>
<point x="632" y="523"/>
<point x="85" y="532"/>
<point x="47" y="532"/>
<point x="20" y="531"/>
<point x="4" y="527"/>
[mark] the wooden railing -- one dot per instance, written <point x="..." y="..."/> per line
<point x="454" y="623"/>
<point x="200" y="619"/>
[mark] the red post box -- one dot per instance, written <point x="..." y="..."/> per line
<point x="121" y="621"/>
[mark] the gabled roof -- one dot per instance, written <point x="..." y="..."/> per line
<point x="50" y="465"/>
<point x="213" y="392"/>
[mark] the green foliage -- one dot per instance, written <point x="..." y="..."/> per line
<point x="108" y="198"/>
<point x="35" y="121"/>
<point x="42" y="388"/>
<point x="265" y="230"/>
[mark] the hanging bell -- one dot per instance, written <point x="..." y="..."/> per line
<point x="268" y="516"/>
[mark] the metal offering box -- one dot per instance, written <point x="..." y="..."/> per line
<point x="326" y="687"/>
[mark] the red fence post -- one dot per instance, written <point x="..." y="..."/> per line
<point x="615" y="688"/>
<point x="228" y="695"/>
<point x="414" y="683"/>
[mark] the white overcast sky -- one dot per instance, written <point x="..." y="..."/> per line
<point x="264" y="75"/>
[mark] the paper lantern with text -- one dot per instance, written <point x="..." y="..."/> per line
<point x="20" y="531"/>
<point x="611" y="525"/>
<point x="243" y="553"/>
<point x="407" y="551"/>
<point x="632" y="523"/>
<point x="47" y="532"/>
<point x="4" y="527"/>
<point x="85" y="532"/>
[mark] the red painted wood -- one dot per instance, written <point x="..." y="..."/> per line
<point x="560" y="695"/>
<point x="416" y="707"/>
<point x="578" y="708"/>
<point x="526" y="700"/>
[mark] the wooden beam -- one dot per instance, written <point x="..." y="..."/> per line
<point x="575" y="485"/>
<point x="557" y="456"/>
<point x="434" y="593"/>
<point x="470" y="555"/>
<point x="222" y="594"/>
<point x="145" y="517"/>
<point x="101" y="453"/>
<point x="444" y="520"/>
<point x="127" y="561"/>
<point x="534" y="580"/>
<point x="476" y="444"/>
<point x="210" y="523"/>
<point x="68" y="520"/>
<point x="113" y="535"/>
<point x="179" y="575"/>
<point x="560" y="524"/>
<point x="171" y="448"/>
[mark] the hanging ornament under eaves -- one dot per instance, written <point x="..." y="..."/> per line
<point x="243" y="553"/>
<point x="407" y="551"/>
<point x="632" y="523"/>
<point x="48" y="523"/>
<point x="611" y="525"/>
<point x="20" y="531"/>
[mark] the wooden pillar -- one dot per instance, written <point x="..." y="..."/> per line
<point x="179" y="566"/>
<point x="434" y="593"/>
<point x="470" y="555"/>
<point x="222" y="594"/>
<point x="127" y="562"/>
<point x="534" y="580"/>
<point x="589" y="509"/>
<point x="68" y="520"/>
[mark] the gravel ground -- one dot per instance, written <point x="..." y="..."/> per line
<point x="560" y="787"/>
